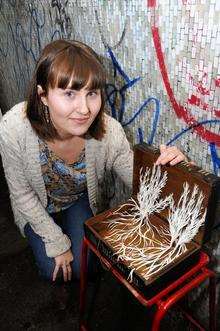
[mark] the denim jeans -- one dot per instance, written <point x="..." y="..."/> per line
<point x="71" y="221"/>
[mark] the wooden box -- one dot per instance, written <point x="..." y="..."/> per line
<point x="97" y="228"/>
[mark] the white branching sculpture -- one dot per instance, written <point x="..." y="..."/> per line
<point x="151" y="184"/>
<point x="186" y="218"/>
<point x="135" y="223"/>
<point x="133" y="235"/>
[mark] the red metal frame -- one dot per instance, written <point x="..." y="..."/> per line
<point x="166" y="298"/>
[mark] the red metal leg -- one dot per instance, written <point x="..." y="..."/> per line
<point x="163" y="306"/>
<point x="193" y="321"/>
<point x="162" y="309"/>
<point x="212" y="302"/>
<point x="83" y="328"/>
<point x="83" y="283"/>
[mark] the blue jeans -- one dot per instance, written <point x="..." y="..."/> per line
<point x="71" y="221"/>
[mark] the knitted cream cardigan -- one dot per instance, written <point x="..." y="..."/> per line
<point x="20" y="155"/>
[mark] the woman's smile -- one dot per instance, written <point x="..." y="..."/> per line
<point x="80" y="120"/>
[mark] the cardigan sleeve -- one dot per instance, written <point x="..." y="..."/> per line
<point x="122" y="162"/>
<point x="25" y="202"/>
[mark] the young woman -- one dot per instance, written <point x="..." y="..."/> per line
<point x="58" y="150"/>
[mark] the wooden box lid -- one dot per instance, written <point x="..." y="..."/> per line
<point x="208" y="183"/>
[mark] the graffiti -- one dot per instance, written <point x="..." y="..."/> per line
<point x="217" y="82"/>
<point x="202" y="90"/>
<point x="196" y="101"/>
<point x="38" y="24"/>
<point x="181" y="111"/>
<point x="12" y="3"/>
<point x="21" y="47"/>
<point x="215" y="158"/>
<point x="17" y="73"/>
<point x="23" y="42"/>
<point x="31" y="35"/>
<point x="32" y="45"/>
<point x="113" y="92"/>
<point x="187" y="2"/>
<point x="151" y="3"/>
<point x="62" y="18"/>
<point x="140" y="136"/>
<point x="190" y="128"/>
<point x="105" y="43"/>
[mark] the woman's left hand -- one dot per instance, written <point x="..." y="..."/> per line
<point x="171" y="155"/>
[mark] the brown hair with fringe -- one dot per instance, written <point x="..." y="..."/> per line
<point x="62" y="64"/>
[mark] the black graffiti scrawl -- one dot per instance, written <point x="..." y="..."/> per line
<point x="62" y="18"/>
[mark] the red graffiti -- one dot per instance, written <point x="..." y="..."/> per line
<point x="196" y="101"/>
<point x="203" y="90"/>
<point x="217" y="82"/>
<point x="200" y="86"/>
<point x="181" y="111"/>
<point x="186" y="2"/>
<point x="151" y="3"/>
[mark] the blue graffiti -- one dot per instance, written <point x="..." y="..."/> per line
<point x="18" y="74"/>
<point x="215" y="158"/>
<point x="155" y="119"/>
<point x="112" y="92"/>
<point x="178" y="135"/>
<point x="37" y="22"/>
<point x="12" y="3"/>
<point x="140" y="136"/>
<point x="25" y="41"/>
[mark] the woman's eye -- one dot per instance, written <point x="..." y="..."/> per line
<point x="93" y="93"/>
<point x="69" y="94"/>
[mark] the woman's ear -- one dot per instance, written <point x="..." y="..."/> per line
<point x="42" y="94"/>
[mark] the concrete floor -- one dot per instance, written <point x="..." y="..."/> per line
<point x="27" y="303"/>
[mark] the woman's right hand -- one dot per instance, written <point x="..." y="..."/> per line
<point x="63" y="261"/>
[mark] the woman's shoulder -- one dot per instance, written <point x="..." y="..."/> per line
<point x="114" y="132"/>
<point x="109" y="120"/>
<point x="15" y="118"/>
<point x="17" y="112"/>
<point x="111" y="124"/>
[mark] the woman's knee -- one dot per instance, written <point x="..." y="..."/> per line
<point x="46" y="268"/>
<point x="44" y="263"/>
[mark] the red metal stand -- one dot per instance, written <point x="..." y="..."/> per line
<point x="166" y="298"/>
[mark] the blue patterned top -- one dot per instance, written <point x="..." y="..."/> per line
<point x="65" y="183"/>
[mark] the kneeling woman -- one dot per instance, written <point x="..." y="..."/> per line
<point x="58" y="148"/>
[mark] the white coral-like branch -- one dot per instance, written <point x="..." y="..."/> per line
<point x="186" y="218"/>
<point x="137" y="216"/>
<point x="132" y="234"/>
<point x="151" y="184"/>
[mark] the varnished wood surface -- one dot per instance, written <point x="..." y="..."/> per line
<point x="99" y="226"/>
<point x="209" y="184"/>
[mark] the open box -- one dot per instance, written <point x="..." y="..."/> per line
<point x="97" y="229"/>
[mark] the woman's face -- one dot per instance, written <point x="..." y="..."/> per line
<point x="71" y="111"/>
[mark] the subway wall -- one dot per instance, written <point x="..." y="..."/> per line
<point x="162" y="57"/>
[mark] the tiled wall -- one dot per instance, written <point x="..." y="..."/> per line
<point x="162" y="57"/>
